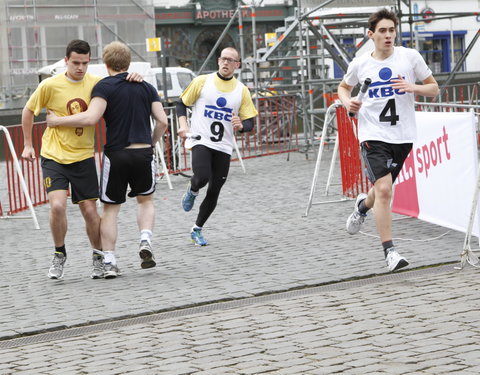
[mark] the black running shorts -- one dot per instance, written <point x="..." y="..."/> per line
<point x="382" y="158"/>
<point x="82" y="177"/>
<point x="134" y="167"/>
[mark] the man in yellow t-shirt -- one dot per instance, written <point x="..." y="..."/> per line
<point x="67" y="153"/>
<point x="220" y="105"/>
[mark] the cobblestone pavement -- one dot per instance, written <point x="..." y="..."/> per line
<point x="417" y="321"/>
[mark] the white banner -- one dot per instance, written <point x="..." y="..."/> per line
<point x="438" y="180"/>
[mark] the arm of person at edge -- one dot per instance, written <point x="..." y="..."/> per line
<point x="181" y="109"/>
<point x="161" y="122"/>
<point x="28" y="152"/>
<point x="242" y="125"/>
<point x="429" y="87"/>
<point x="90" y="117"/>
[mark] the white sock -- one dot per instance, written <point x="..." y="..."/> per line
<point x="146" y="235"/>
<point x="109" y="257"/>
<point x="196" y="227"/>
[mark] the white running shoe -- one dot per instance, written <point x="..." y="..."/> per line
<point x="97" y="261"/>
<point x="56" y="269"/>
<point x="146" y="255"/>
<point x="394" y="260"/>
<point x="356" y="219"/>
<point x="111" y="271"/>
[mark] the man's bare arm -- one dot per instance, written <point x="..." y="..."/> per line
<point x="161" y="121"/>
<point x="28" y="116"/>
<point x="90" y="117"/>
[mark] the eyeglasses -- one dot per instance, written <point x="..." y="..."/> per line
<point x="227" y="59"/>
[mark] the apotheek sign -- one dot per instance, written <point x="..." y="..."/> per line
<point x="246" y="13"/>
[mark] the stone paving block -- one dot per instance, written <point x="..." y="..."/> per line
<point x="469" y="354"/>
<point x="282" y="349"/>
<point x="215" y="361"/>
<point x="330" y="370"/>
<point x="465" y="346"/>
<point x="259" y="369"/>
<point x="206" y="355"/>
<point x="218" y="371"/>
<point x="430" y="348"/>
<point x="444" y="369"/>
<point x="242" y="352"/>
<point x="294" y="370"/>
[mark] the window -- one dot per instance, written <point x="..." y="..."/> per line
<point x="159" y="77"/>
<point x="436" y="48"/>
<point x="349" y="46"/>
<point x="184" y="79"/>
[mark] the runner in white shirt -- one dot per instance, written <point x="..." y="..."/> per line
<point x="386" y="121"/>
<point x="220" y="105"/>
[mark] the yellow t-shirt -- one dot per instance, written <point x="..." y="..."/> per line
<point x="192" y="93"/>
<point x="64" y="97"/>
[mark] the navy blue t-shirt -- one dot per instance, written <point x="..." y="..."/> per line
<point x="129" y="106"/>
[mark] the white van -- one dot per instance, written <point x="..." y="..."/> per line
<point x="143" y="68"/>
<point x="177" y="80"/>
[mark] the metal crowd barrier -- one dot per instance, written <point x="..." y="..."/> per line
<point x="353" y="177"/>
<point x="275" y="132"/>
<point x="19" y="193"/>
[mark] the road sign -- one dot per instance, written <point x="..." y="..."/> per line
<point x="153" y="44"/>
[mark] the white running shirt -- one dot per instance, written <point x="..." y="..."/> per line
<point x="386" y="114"/>
<point x="212" y="116"/>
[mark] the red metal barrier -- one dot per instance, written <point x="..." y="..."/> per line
<point x="276" y="128"/>
<point x="275" y="132"/>
<point x="353" y="179"/>
<point x="32" y="170"/>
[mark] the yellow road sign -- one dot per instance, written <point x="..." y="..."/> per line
<point x="153" y="44"/>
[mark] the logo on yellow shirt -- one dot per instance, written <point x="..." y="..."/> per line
<point x="47" y="182"/>
<point x="77" y="105"/>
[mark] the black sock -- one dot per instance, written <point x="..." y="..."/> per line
<point x="61" y="249"/>
<point x="387" y="245"/>
<point x="362" y="208"/>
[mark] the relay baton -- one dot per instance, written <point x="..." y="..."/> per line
<point x="362" y="92"/>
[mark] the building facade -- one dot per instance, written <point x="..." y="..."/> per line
<point x="191" y="31"/>
<point x="34" y="33"/>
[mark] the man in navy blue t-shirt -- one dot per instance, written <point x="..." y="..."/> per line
<point x="128" y="153"/>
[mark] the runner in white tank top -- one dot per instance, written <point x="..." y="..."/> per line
<point x="212" y="115"/>
<point x="220" y="106"/>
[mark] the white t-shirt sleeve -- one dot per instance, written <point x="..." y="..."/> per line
<point x="421" y="69"/>
<point x="351" y="77"/>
